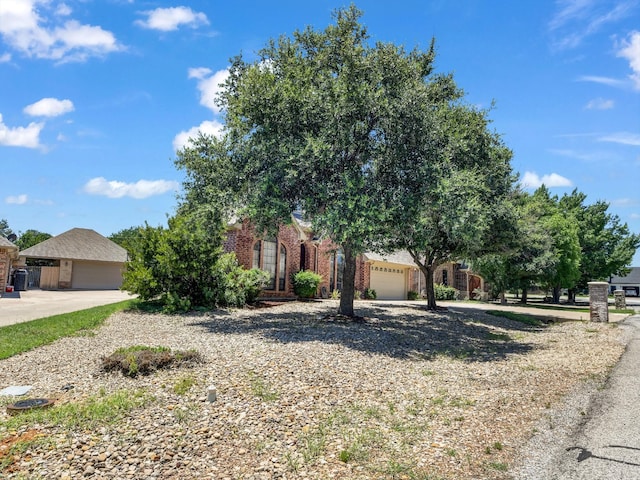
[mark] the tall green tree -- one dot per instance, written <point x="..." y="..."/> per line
<point x="308" y="125"/>
<point x="530" y="253"/>
<point x="607" y="246"/>
<point x="546" y="251"/>
<point x="30" y="238"/>
<point x="5" y="231"/>
<point x="458" y="204"/>
<point x="127" y="237"/>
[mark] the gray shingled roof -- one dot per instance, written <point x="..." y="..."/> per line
<point x="4" y="243"/>
<point x="400" y="257"/>
<point x="632" y="278"/>
<point x="78" y="244"/>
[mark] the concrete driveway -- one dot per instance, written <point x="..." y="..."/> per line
<point x="28" y="305"/>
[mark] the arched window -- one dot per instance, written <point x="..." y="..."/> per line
<point x="282" y="268"/>
<point x="257" y="254"/>
<point x="267" y="257"/>
<point x="303" y="257"/>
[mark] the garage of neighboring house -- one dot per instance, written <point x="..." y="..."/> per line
<point x="79" y="258"/>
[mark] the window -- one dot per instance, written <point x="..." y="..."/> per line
<point x="282" y="268"/>
<point x="445" y="278"/>
<point x="336" y="272"/>
<point x="267" y="257"/>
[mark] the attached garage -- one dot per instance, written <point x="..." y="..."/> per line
<point x="79" y="258"/>
<point x="388" y="274"/>
<point x="389" y="281"/>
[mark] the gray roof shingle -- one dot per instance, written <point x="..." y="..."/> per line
<point x="78" y="244"/>
<point x="4" y="243"/>
<point x="632" y="278"/>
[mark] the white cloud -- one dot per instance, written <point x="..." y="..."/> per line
<point x="138" y="190"/>
<point x="168" y="19"/>
<point x="624" y="202"/>
<point x="17" y="199"/>
<point x="209" y="85"/>
<point x="612" y="82"/>
<point x="5" y="58"/>
<point x="634" y="216"/>
<point x="63" y="10"/>
<point x="28" y="136"/>
<point x="576" y="20"/>
<point x="630" y="49"/>
<point x="533" y="180"/>
<point x="624" y="138"/>
<point x="599" y="104"/>
<point x="207" y="127"/>
<point x="33" y="28"/>
<point x="49" y="107"/>
<point x="591" y="156"/>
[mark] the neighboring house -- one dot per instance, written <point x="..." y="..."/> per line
<point x="629" y="283"/>
<point x="79" y="258"/>
<point x="8" y="253"/>
<point x="295" y="248"/>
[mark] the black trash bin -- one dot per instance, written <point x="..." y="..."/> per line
<point x="20" y="280"/>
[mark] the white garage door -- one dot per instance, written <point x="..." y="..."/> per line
<point x="389" y="282"/>
<point x="96" y="275"/>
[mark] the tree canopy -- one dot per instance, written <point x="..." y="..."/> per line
<point x="326" y="122"/>
<point x="5" y="231"/>
<point x="561" y="243"/>
<point x="30" y="238"/>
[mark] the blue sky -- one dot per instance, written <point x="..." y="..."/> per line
<point x="97" y="95"/>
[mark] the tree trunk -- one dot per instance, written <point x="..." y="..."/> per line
<point x="348" y="283"/>
<point x="503" y="298"/>
<point x="427" y="270"/>
<point x="556" y="294"/>
<point x="523" y="299"/>
<point x="571" y="296"/>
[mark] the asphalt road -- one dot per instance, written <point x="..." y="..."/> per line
<point x="604" y="441"/>
<point x="28" y="305"/>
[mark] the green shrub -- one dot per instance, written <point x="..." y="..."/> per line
<point x="184" y="266"/>
<point x="305" y="283"/>
<point x="444" y="292"/>
<point x="413" y="295"/>
<point x="370" y="294"/>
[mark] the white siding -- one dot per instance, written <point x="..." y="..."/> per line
<point x="96" y="275"/>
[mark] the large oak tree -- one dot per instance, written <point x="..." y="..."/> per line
<point x="347" y="131"/>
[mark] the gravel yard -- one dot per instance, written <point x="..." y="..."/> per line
<point x="407" y="394"/>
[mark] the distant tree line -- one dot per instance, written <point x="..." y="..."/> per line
<point x="559" y="243"/>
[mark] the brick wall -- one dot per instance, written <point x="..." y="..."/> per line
<point x="241" y="240"/>
<point x="4" y="269"/>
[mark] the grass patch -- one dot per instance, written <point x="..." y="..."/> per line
<point x="262" y="389"/>
<point x="93" y="412"/>
<point x="628" y="311"/>
<point x="518" y="317"/>
<point x="183" y="385"/>
<point x="22" y="337"/>
<point x="142" y="359"/>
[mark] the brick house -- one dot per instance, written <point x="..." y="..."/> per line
<point x="295" y="248"/>
<point x="8" y="253"/>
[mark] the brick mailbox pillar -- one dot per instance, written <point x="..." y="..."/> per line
<point x="621" y="302"/>
<point x="599" y="301"/>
